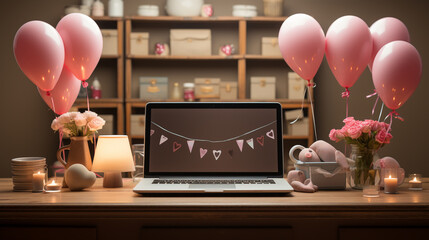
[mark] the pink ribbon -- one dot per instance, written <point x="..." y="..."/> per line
<point x="376" y="101"/>
<point x="346" y="94"/>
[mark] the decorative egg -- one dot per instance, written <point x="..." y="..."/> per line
<point x="78" y="177"/>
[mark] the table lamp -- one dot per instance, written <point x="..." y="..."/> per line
<point x="113" y="156"/>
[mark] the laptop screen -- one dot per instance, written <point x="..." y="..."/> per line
<point x="213" y="139"/>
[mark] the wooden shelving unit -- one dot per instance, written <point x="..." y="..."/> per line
<point x="240" y="66"/>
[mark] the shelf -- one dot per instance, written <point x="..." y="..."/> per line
<point x="110" y="56"/>
<point x="106" y="18"/>
<point x="261" y="57"/>
<point x="213" y="57"/>
<point x="206" y="19"/>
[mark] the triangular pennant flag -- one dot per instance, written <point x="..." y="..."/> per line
<point x="191" y="145"/>
<point x="152" y="132"/>
<point x="202" y="152"/>
<point x="260" y="140"/>
<point x="270" y="134"/>
<point x="217" y="153"/>
<point x="250" y="142"/>
<point x="162" y="139"/>
<point x="240" y="144"/>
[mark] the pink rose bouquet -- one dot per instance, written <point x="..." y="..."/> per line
<point x="365" y="137"/>
<point x="368" y="133"/>
<point x="78" y="124"/>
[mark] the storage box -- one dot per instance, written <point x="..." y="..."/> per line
<point x="110" y="42"/>
<point x="300" y="127"/>
<point x="207" y="87"/>
<point x="228" y="90"/>
<point x="154" y="88"/>
<point x="190" y="42"/>
<point x="323" y="174"/>
<point x="108" y="126"/>
<point x="270" y="47"/>
<point x="296" y="86"/>
<point x="139" y="43"/>
<point x="263" y="88"/>
<point x="137" y="124"/>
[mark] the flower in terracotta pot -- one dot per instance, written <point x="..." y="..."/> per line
<point x="75" y="124"/>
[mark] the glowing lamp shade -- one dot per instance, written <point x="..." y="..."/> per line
<point x="113" y="156"/>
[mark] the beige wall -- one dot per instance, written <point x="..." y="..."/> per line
<point x="25" y="119"/>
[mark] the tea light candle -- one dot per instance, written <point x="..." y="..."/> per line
<point x="53" y="186"/>
<point x="390" y="184"/>
<point x="38" y="181"/>
<point x="415" y="182"/>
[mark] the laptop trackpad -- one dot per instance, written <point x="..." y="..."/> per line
<point x="211" y="186"/>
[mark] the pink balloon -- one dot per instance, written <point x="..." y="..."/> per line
<point x="39" y="52"/>
<point x="302" y="44"/>
<point x="384" y="31"/>
<point x="348" y="49"/>
<point x="396" y="73"/>
<point x="64" y="94"/>
<point x="83" y="44"/>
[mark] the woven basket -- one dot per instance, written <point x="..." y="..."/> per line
<point x="273" y="8"/>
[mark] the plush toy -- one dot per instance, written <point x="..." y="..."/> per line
<point x="319" y="151"/>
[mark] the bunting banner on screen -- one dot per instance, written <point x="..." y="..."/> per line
<point x="163" y="136"/>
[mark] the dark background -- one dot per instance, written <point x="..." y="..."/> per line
<point x="25" y="119"/>
<point x="213" y="125"/>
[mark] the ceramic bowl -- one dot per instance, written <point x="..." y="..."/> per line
<point x="184" y="8"/>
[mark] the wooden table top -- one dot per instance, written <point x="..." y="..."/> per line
<point x="99" y="197"/>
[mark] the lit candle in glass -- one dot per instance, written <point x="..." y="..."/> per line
<point x="53" y="186"/>
<point x="38" y="181"/>
<point x="390" y="184"/>
<point x="415" y="182"/>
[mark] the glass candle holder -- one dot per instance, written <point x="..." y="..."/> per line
<point x="415" y="182"/>
<point x="390" y="180"/>
<point x="39" y="179"/>
<point x="53" y="185"/>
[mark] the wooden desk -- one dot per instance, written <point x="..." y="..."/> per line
<point x="100" y="213"/>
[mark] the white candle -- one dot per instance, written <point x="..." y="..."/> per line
<point x="53" y="186"/>
<point x="390" y="184"/>
<point x="38" y="181"/>
<point x="415" y="183"/>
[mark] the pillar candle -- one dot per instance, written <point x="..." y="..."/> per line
<point x="390" y="185"/>
<point x="38" y="181"/>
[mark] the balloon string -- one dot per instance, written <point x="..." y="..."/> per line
<point x="346" y="94"/>
<point x="381" y="111"/>
<point x="60" y="135"/>
<point x="87" y="99"/>
<point x="53" y="104"/>
<point x="312" y="107"/>
<point x="376" y="101"/>
<point x="302" y="108"/>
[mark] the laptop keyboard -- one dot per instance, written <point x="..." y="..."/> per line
<point x="185" y="181"/>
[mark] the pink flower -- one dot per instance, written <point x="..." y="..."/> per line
<point x="55" y="125"/>
<point x="354" y="132"/>
<point x="381" y="136"/>
<point x="96" y="123"/>
<point x="333" y="136"/>
<point x="348" y="120"/>
<point x="79" y="120"/>
<point x="366" y="126"/>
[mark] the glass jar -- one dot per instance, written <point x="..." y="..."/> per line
<point x="362" y="171"/>
<point x="189" y="92"/>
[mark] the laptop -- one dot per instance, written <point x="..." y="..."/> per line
<point x="213" y="148"/>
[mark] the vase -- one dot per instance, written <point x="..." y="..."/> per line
<point x="78" y="153"/>
<point x="362" y="171"/>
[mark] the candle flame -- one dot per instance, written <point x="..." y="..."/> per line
<point x="38" y="172"/>
<point x="53" y="182"/>
<point x="415" y="179"/>
<point x="390" y="176"/>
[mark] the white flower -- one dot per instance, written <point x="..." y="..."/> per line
<point x="80" y="120"/>
<point x="96" y="124"/>
<point x="55" y="125"/>
<point x="65" y="118"/>
<point x="66" y="131"/>
<point x="89" y="115"/>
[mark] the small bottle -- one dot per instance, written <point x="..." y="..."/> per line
<point x="96" y="89"/>
<point x="188" y="92"/>
<point x="98" y="9"/>
<point x="176" y="92"/>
